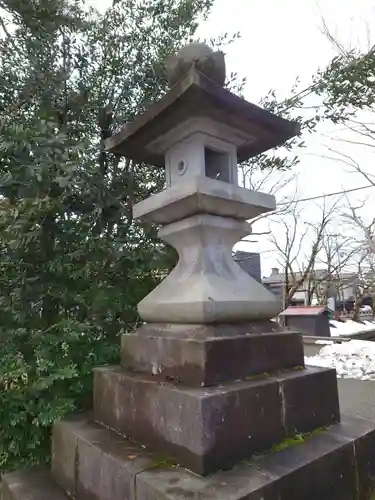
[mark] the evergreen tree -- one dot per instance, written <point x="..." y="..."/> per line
<point x="73" y="263"/>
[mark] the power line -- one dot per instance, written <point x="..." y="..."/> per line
<point x="327" y="195"/>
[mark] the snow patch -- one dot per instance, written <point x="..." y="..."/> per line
<point x="354" y="359"/>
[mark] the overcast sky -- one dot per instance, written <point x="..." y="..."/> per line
<point x="280" y="41"/>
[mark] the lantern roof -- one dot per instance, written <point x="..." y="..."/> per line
<point x="196" y="96"/>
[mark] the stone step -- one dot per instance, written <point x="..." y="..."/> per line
<point x="205" y="355"/>
<point x="333" y="464"/>
<point x="209" y="428"/>
<point x="92" y="462"/>
<point x="33" y="484"/>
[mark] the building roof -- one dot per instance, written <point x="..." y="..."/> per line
<point x="318" y="274"/>
<point x="198" y="96"/>
<point x="250" y="262"/>
<point x="299" y="295"/>
<point x="303" y="311"/>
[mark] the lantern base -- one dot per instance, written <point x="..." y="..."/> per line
<point x="207" y="286"/>
<point x="205" y="355"/>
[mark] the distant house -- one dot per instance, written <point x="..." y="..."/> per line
<point x="275" y="282"/>
<point x="344" y="286"/>
<point x="250" y="262"/>
<point x="310" y="320"/>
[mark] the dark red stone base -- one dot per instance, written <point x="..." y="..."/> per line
<point x="192" y="359"/>
<point x="208" y="428"/>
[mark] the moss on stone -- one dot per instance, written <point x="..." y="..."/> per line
<point x="296" y="440"/>
<point x="257" y="375"/>
<point x="277" y="373"/>
<point x="287" y="443"/>
<point x="371" y="493"/>
<point x="164" y="462"/>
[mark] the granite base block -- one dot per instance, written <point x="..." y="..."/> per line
<point x="310" y="399"/>
<point x="327" y="466"/>
<point x="209" y="428"/>
<point x="334" y="464"/>
<point x="360" y="433"/>
<point x="242" y="482"/>
<point x="203" y="429"/>
<point x="208" y="361"/>
<point x="91" y="462"/>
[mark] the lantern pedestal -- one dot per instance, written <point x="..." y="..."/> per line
<point x="207" y="286"/>
<point x="205" y="355"/>
<point x="206" y="429"/>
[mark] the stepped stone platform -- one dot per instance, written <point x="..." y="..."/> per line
<point x="91" y="462"/>
<point x="208" y="428"/>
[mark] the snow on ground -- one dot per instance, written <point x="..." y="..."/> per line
<point x="350" y="327"/>
<point x="353" y="359"/>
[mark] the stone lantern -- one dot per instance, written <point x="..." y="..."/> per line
<point x="208" y="381"/>
<point x="198" y="132"/>
<point x="208" y="322"/>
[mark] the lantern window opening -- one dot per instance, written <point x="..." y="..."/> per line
<point x="217" y="165"/>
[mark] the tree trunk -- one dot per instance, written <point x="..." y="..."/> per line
<point x="357" y="306"/>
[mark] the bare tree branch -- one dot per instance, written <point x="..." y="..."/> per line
<point x="333" y="40"/>
<point x="290" y="248"/>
